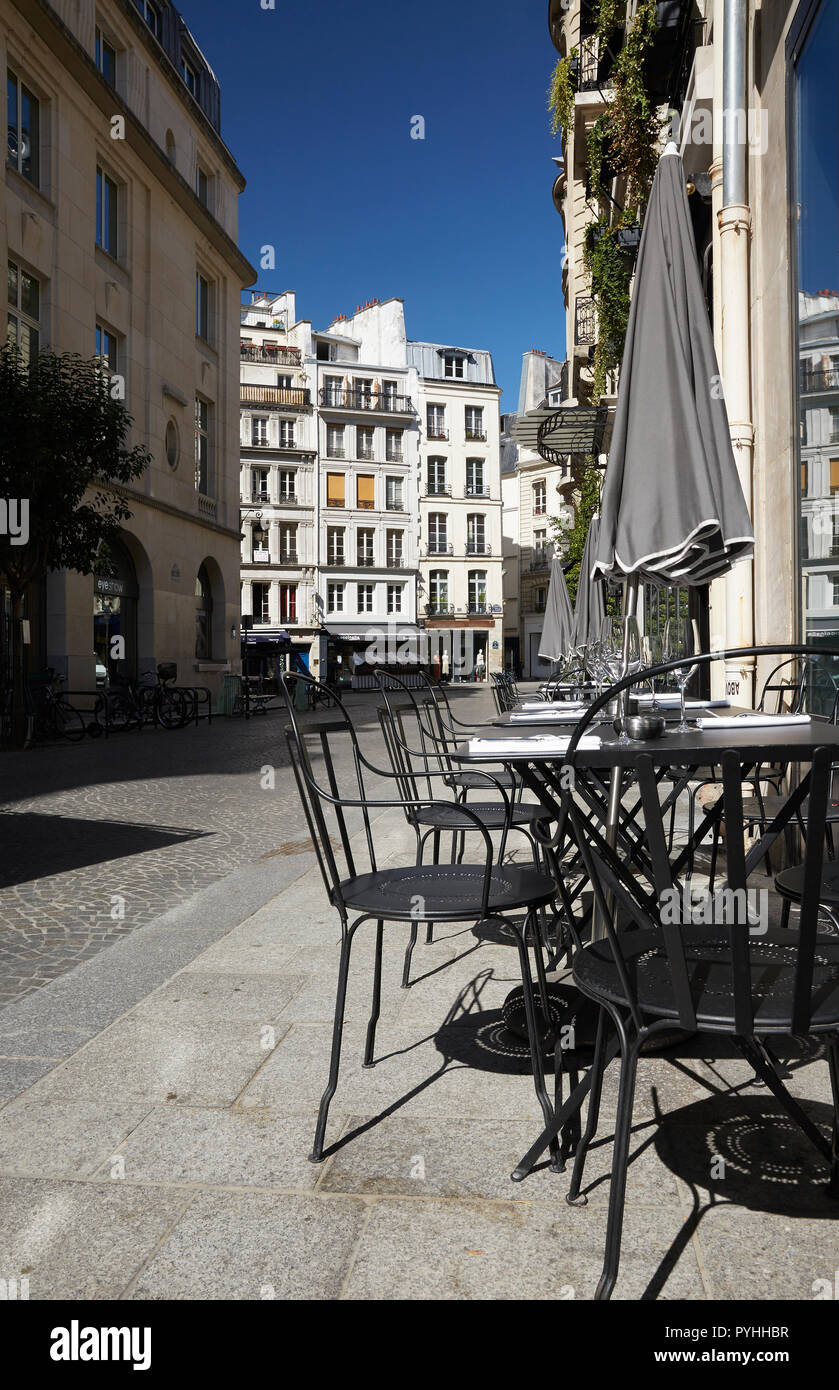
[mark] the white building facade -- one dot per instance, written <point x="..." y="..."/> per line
<point x="461" y="584"/>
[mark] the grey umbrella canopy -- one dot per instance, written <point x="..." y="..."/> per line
<point x="590" y="608"/>
<point x="672" y="508"/>
<point x="558" y="627"/>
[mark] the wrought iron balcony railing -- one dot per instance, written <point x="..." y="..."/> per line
<point x="478" y="548"/>
<point x="381" y="401"/>
<point x="274" y="356"/>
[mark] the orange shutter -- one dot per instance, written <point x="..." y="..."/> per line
<point x="366" y="491"/>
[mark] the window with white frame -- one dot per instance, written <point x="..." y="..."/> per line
<point x="335" y="441"/>
<point x="436" y="422"/>
<point x="436" y="473"/>
<point x="189" y="73"/>
<point x="259" y="430"/>
<point x="477" y="591"/>
<point x="475" y="422"/>
<point x="261" y="594"/>
<point x="203" y="446"/>
<point x="23" y="151"/>
<point x="475" y="478"/>
<point x="394" y="494"/>
<point x="394" y="597"/>
<point x="335" y="545"/>
<point x="437" y="533"/>
<point x="540" y="497"/>
<point x="288" y="543"/>
<point x="107" y="213"/>
<point x="286" y="434"/>
<point x="107" y="348"/>
<point x="259" y="485"/>
<point x="24" y="299"/>
<point x="395" y="548"/>
<point x="333" y="389"/>
<point x="365" y="540"/>
<point x="288" y="603"/>
<point x="438" y="589"/>
<point x="364" y="443"/>
<point x="365" y="598"/>
<point x="453" y="366"/>
<point x="288" y="485"/>
<point x="335" y="597"/>
<point x="394" y="451"/>
<point x="540" y="547"/>
<point x="476" y="534"/>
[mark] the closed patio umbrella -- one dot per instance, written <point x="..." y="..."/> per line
<point x="672" y="509"/>
<point x="558" y="628"/>
<point x="590" y="608"/>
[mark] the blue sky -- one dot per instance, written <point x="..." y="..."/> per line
<point x="317" y="101"/>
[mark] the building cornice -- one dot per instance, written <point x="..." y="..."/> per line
<point x="80" y="65"/>
<point x="129" y="495"/>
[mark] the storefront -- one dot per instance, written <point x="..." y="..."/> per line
<point x="115" y="599"/>
<point x="466" y="650"/>
<point x="354" y="651"/>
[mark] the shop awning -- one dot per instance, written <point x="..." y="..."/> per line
<point x="260" y="638"/>
<point x="573" y="429"/>
<point x="370" y="632"/>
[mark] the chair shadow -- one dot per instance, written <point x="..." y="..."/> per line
<point x="34" y="846"/>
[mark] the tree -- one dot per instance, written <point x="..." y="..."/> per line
<point x="570" y="537"/>
<point x="63" y="458"/>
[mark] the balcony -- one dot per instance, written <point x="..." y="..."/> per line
<point x="437" y="490"/>
<point x="395" y="506"/>
<point x="478" y="548"/>
<point x="394" y="458"/>
<point x="288" y="557"/>
<point x="260" y="499"/>
<point x="366" y="506"/>
<point x="287" y="499"/>
<point x="382" y="402"/>
<point x="274" y="356"/>
<point x="207" y="507"/>
<point x="439" y="548"/>
<point x="477" y="492"/>
<point x="585" y="323"/>
<point x="336" y="453"/>
<point x="437" y="433"/>
<point x="365" y="561"/>
<point x="826" y="379"/>
<point x="476" y="435"/>
<point x="438" y="610"/>
<point x="479" y="610"/>
<point x="540" y="560"/>
<point x="274" y="395"/>
<point x="396" y="562"/>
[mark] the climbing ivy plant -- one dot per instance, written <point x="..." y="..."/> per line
<point x="570" y="537"/>
<point x="561" y="94"/>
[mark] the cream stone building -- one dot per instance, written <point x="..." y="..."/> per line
<point x="118" y="220"/>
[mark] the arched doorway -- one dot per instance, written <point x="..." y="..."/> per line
<point x="203" y="616"/>
<point x="115" y="595"/>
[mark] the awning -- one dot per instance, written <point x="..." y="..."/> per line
<point x="260" y="638"/>
<point x="371" y="632"/>
<point x="573" y="429"/>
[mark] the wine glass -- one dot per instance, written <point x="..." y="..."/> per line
<point x="621" y="650"/>
<point x="652" y="650"/>
<point x="681" y="642"/>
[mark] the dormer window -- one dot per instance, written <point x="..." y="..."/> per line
<point x="151" y="14"/>
<point x="189" y="73"/>
<point x="453" y="366"/>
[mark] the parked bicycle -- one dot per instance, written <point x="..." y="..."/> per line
<point x="150" y="700"/>
<point x="52" y="714"/>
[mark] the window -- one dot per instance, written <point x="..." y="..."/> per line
<point x="203" y="616"/>
<point x="476" y="535"/>
<point x="804" y="479"/>
<point x="475" y="478"/>
<point x="436" y="476"/>
<point x="151" y="14"/>
<point x="335" y="495"/>
<point x="335" y="545"/>
<point x="540" y="498"/>
<point x="437" y="534"/>
<point x="259" y="485"/>
<point x="323" y="352"/>
<point x="286" y="434"/>
<point x="540" y="548"/>
<point x="395" y="549"/>
<point x="259" y="430"/>
<point x="24" y="312"/>
<point x="364" y="443"/>
<point x="335" y="441"/>
<point x="365" y="598"/>
<point x="393" y="446"/>
<point x="24" y="125"/>
<point x="333" y="391"/>
<point x="834" y="425"/>
<point x="394" y="495"/>
<point x="260" y="554"/>
<point x="288" y="543"/>
<point x="107" y="213"/>
<point x="335" y="598"/>
<point x="453" y="367"/>
<point x="288" y="603"/>
<point x="366" y="491"/>
<point x="438" y="589"/>
<point x="107" y="348"/>
<point x="189" y="73"/>
<point x="364" y="393"/>
<point x="202" y="186"/>
<point x="106" y="58"/>
<point x="203" y="458"/>
<point x="834" y="539"/>
<point x="203" y="307"/>
<point x="475" y="422"/>
<point x="477" y="591"/>
<point x="541" y="600"/>
<point x="394" y="598"/>
<point x="285" y="381"/>
<point x="388" y="397"/>
<point x="364" y="547"/>
<point x="834" y="478"/>
<point x="436" y="418"/>
<point x="288" y="485"/>
<point x="260" y="602"/>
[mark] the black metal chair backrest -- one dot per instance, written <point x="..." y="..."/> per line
<point x="643" y="901"/>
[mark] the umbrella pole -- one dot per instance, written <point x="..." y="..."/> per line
<point x="630" y="603"/>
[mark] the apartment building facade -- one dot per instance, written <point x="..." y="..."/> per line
<point x="118" y="221"/>
<point x="461" y="552"/>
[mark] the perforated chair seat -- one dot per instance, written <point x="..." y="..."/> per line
<point x="790" y="883"/>
<point x="473" y="781"/>
<point x="772" y="804"/>
<point x="708" y="954"/>
<point x="493" y="815"/>
<point x="448" y="892"/>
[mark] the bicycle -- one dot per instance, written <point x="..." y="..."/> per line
<point x="130" y="705"/>
<point x="51" y="713"/>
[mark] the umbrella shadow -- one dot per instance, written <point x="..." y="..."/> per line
<point x="35" y="846"/>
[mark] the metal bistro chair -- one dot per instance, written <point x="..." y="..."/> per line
<point x="653" y="972"/>
<point x="452" y="731"/>
<point x="355" y="883"/>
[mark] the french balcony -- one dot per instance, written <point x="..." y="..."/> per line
<point x="383" y="403"/>
<point x="395" y="507"/>
<point x="274" y="395"/>
<point x="439" y="548"/>
<point x="366" y="506"/>
<point x="394" y="458"/>
<point x="287" y="499"/>
<point x="437" y="490"/>
<point x="439" y="610"/>
<point x="826" y="379"/>
<point x="476" y="436"/>
<point x="396" y="562"/>
<point x="260" y="499"/>
<point x="478" y="548"/>
<point x="540" y="560"/>
<point x="273" y="356"/>
<point x="477" y="492"/>
<point x="585" y="322"/>
<point x="288" y="557"/>
<point x="365" y="561"/>
<point x="436" y="432"/>
<point x="335" y="453"/>
<point x="335" y="560"/>
<point x="337" y="502"/>
<point x="479" y="610"/>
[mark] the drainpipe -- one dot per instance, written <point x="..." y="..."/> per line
<point x="733" y="308"/>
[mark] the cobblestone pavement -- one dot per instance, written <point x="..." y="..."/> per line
<point x="100" y="838"/>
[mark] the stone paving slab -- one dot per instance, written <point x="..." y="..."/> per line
<point x="59" y="1139"/>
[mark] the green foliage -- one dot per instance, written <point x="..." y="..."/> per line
<point x="610" y="15"/>
<point x="595" y="151"/>
<point x="561" y="94"/>
<point x="570" y="538"/>
<point x="63" y="447"/>
<point x="607" y="265"/>
<point x="634" y="127"/>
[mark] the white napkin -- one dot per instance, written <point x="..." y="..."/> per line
<point x="668" y="701"/>
<point x="553" y="704"/>
<point x="548" y="716"/>
<point x="740" y="721"/>
<point x="540" y="745"/>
